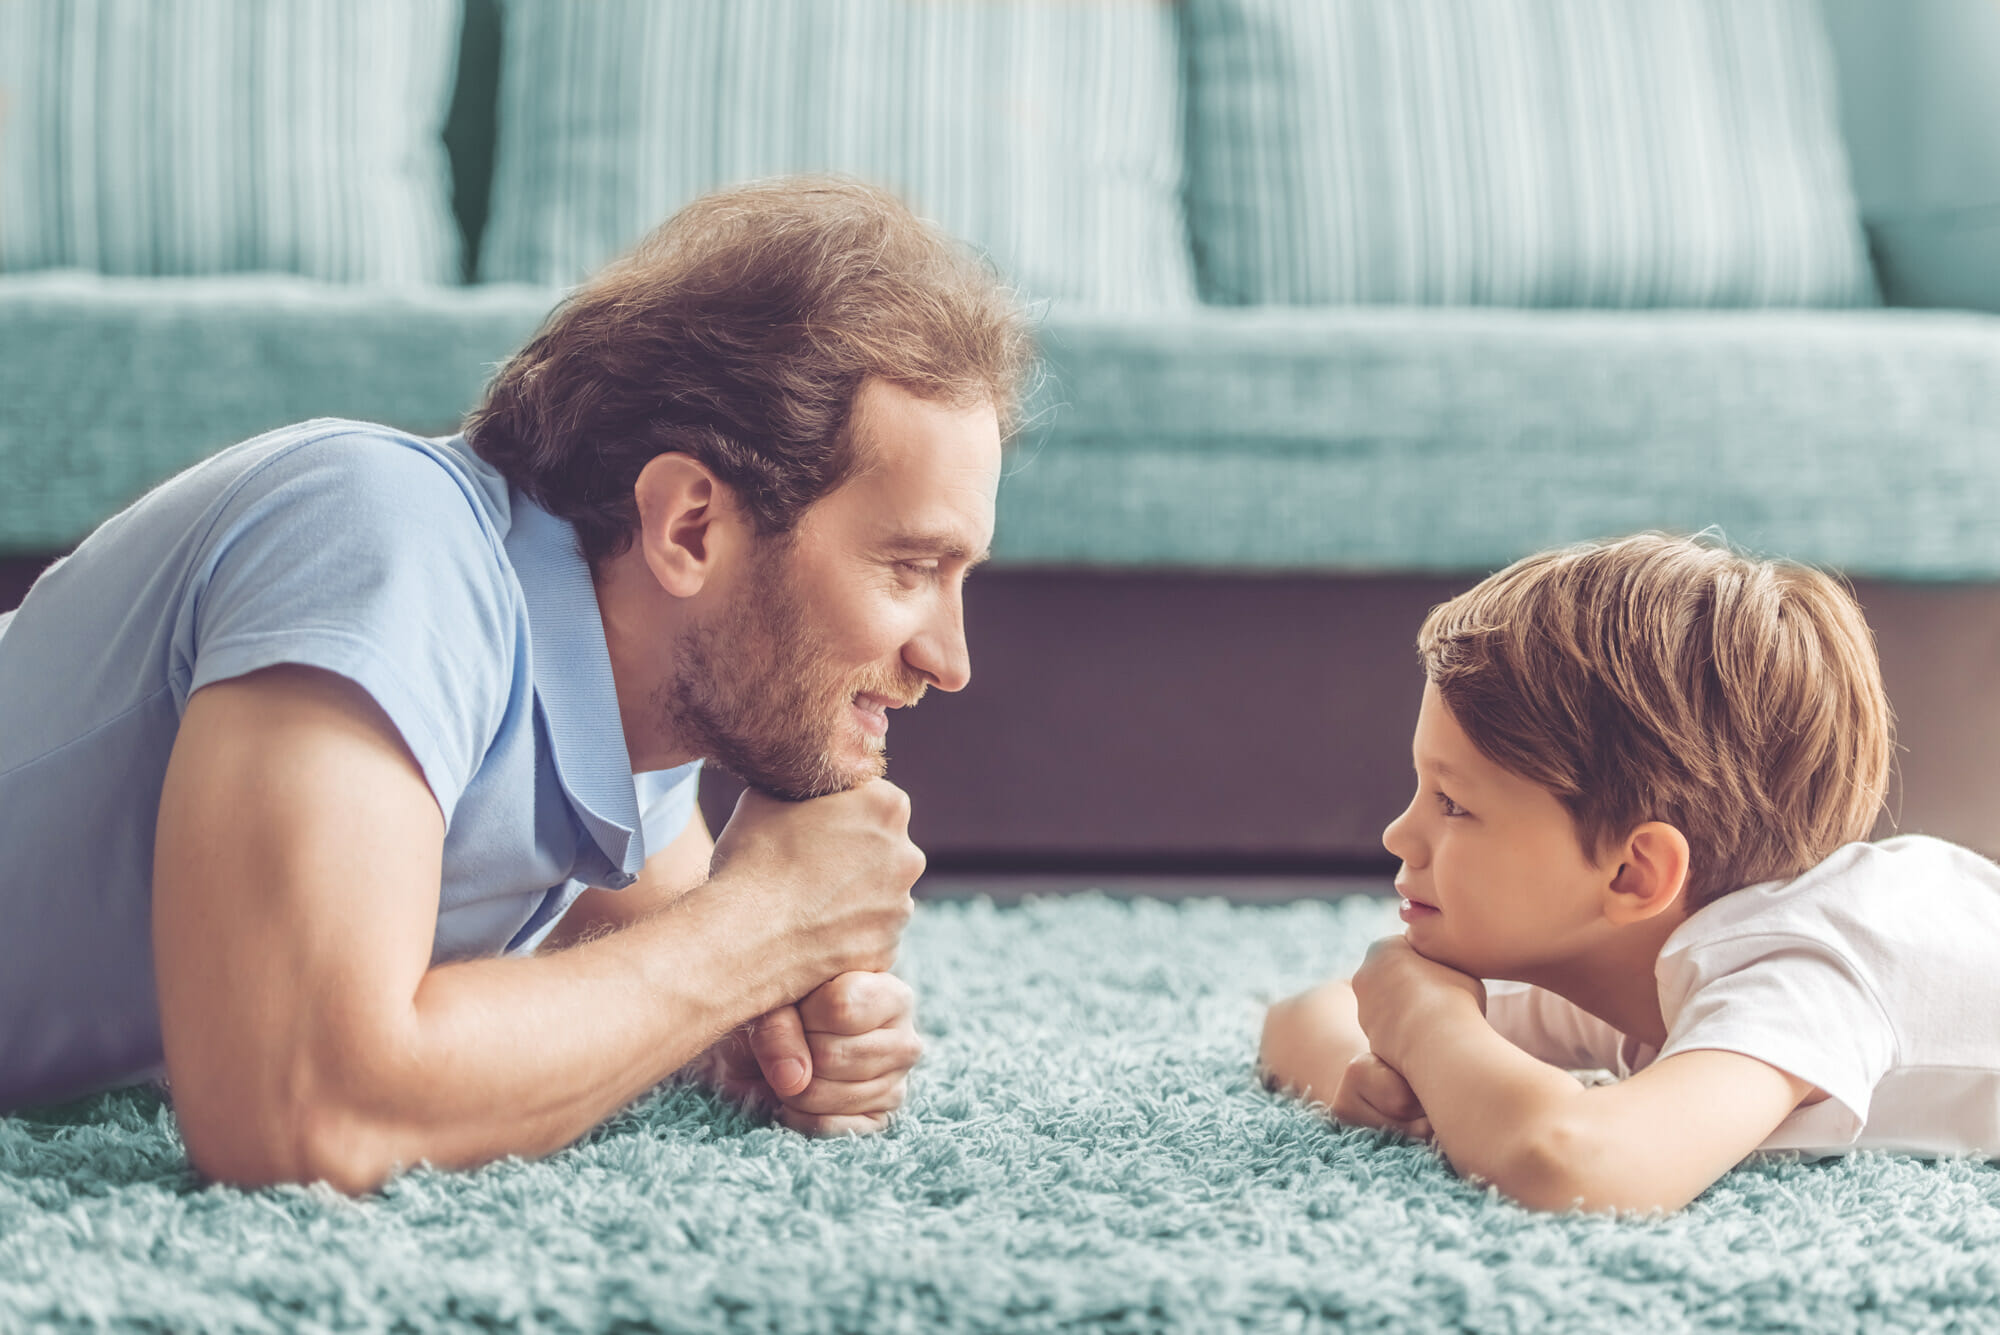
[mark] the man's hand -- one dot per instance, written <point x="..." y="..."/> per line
<point x="837" y="1063"/>
<point x="1398" y="993"/>
<point x="1313" y="1047"/>
<point x="832" y="875"/>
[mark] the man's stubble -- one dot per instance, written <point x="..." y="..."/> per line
<point x="756" y="692"/>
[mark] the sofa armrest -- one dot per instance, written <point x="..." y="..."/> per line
<point x="1946" y="257"/>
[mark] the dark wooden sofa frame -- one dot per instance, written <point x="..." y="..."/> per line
<point x="1122" y="722"/>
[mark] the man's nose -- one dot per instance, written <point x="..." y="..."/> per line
<point x="939" y="650"/>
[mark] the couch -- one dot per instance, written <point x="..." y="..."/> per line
<point x="1264" y="445"/>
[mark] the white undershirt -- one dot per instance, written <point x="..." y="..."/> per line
<point x="1875" y="976"/>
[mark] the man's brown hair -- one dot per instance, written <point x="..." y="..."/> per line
<point x="739" y="333"/>
<point x="1672" y="679"/>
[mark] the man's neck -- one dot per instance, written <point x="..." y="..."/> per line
<point x="1614" y="979"/>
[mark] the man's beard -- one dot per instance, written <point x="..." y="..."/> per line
<point x="757" y="693"/>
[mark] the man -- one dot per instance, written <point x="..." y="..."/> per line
<point x="317" y="765"/>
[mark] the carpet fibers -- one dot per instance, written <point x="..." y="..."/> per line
<point x="1085" y="1148"/>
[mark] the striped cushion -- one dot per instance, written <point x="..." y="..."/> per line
<point x="210" y="136"/>
<point x="1519" y="152"/>
<point x="1045" y="131"/>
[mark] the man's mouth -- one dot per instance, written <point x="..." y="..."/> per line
<point x="872" y="712"/>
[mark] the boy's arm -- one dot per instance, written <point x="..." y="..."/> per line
<point x="1654" y="1141"/>
<point x="1313" y="1048"/>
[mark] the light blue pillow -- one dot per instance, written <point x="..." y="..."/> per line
<point x="1046" y="132"/>
<point x="1625" y="153"/>
<point x="146" y="137"/>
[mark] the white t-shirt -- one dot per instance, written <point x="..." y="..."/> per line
<point x="1876" y="976"/>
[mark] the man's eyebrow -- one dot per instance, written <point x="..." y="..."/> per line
<point x="935" y="544"/>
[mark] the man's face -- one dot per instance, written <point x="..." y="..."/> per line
<point x="856" y="612"/>
<point x="1494" y="879"/>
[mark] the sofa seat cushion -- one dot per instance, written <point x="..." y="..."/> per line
<point x="112" y="384"/>
<point x="1342" y="439"/>
<point x="1387" y="438"/>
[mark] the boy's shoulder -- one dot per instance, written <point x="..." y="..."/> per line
<point x="1860" y="897"/>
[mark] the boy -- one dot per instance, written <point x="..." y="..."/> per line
<point x="1643" y="771"/>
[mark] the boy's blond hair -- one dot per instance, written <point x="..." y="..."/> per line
<point x="1671" y="679"/>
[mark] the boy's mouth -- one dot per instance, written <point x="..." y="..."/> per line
<point x="1413" y="909"/>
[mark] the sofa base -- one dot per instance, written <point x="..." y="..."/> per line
<point x="1131" y="722"/>
<point x="1201" y="723"/>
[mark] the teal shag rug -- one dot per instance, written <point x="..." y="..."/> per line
<point x="1086" y="1148"/>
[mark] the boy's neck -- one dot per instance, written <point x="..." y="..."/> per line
<point x="1615" y="980"/>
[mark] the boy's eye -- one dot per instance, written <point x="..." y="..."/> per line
<point x="1449" y="807"/>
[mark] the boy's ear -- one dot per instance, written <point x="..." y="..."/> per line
<point x="687" y="517"/>
<point x="1652" y="871"/>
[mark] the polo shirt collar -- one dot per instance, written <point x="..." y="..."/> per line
<point x="573" y="683"/>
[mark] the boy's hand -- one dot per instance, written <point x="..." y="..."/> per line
<point x="1314" y="1049"/>
<point x="1397" y="992"/>
<point x="1374" y="1093"/>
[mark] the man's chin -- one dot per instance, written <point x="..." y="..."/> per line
<point x="829" y="781"/>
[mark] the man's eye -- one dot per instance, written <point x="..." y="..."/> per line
<point x="921" y="569"/>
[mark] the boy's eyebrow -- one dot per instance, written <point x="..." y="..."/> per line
<point x="1438" y="768"/>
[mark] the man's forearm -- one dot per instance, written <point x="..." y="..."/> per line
<point x="522" y="1056"/>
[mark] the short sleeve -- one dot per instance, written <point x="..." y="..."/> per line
<point x="666" y="803"/>
<point x="1549" y="1028"/>
<point x="365" y="556"/>
<point x="1790" y="1002"/>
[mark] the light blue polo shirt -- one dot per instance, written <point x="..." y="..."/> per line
<point x="404" y="564"/>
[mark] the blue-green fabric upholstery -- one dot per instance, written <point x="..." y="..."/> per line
<point x="112" y="384"/>
<point x="1336" y="439"/>
<point x="1918" y="107"/>
<point x="1622" y="153"/>
<point x="220" y="136"/>
<point x="1045" y="131"/>
<point x="1385" y="438"/>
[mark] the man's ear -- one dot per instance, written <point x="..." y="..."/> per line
<point x="686" y="514"/>
<point x="1652" y="871"/>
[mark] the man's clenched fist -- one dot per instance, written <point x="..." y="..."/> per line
<point x="837" y="1063"/>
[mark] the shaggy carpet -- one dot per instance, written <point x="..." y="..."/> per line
<point x="1085" y="1148"/>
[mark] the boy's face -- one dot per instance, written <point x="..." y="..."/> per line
<point x="1494" y="878"/>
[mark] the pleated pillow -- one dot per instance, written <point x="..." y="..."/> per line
<point x="156" y="137"/>
<point x="1623" y="153"/>
<point x="1047" y="132"/>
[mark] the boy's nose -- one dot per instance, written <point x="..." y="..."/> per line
<point x="1397" y="838"/>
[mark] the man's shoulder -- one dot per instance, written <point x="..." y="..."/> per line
<point x="366" y="465"/>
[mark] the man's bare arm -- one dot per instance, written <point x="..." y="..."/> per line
<point x="296" y="883"/>
<point x="668" y="874"/>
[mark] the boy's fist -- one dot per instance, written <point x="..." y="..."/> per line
<point x="1373" y="1093"/>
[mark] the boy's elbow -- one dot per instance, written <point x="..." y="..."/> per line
<point x="1568" y="1164"/>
